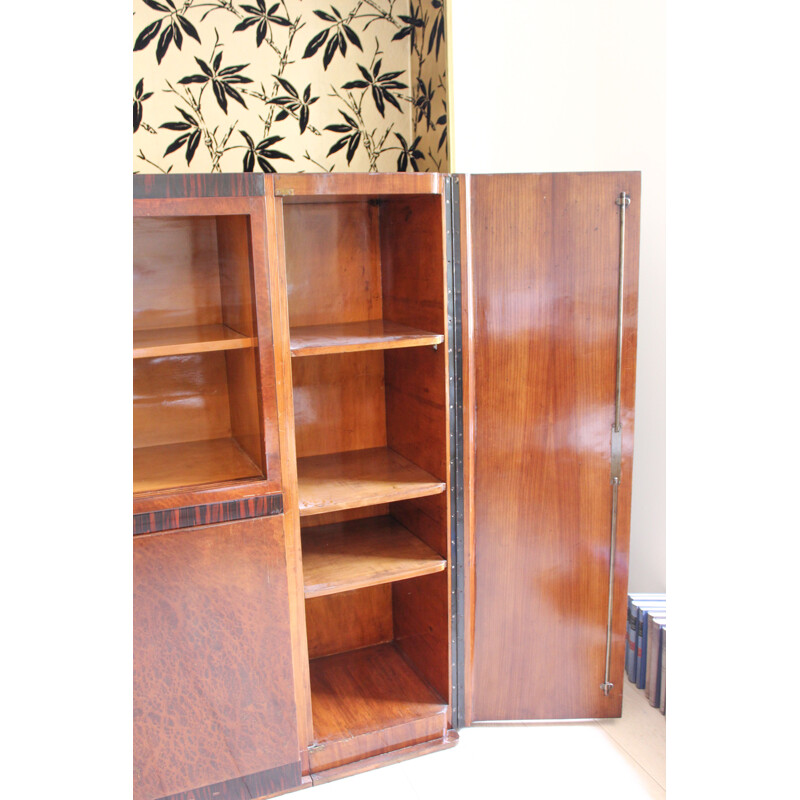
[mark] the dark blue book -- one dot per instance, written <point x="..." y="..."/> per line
<point x="635" y="601"/>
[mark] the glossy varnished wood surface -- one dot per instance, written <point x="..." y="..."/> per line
<point x="189" y="339"/>
<point x="183" y="464"/>
<point x="358" y="336"/>
<point x="360" y="478"/>
<point x="351" y="620"/>
<point x="234" y="184"/>
<point x="301" y="187"/>
<point x="212" y="683"/>
<point x="365" y="552"/>
<point x="208" y="514"/>
<point x="368" y="701"/>
<point x="545" y="256"/>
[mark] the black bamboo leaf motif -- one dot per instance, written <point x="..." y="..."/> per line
<point x="190" y="135"/>
<point x="409" y="154"/>
<point x="334" y="37"/>
<point x="351" y="140"/>
<point x="138" y="98"/>
<point x="382" y="86"/>
<point x="413" y="23"/>
<point x="262" y="17"/>
<point x="437" y="31"/>
<point x="221" y="80"/>
<point x="172" y="22"/>
<point x="424" y="101"/>
<point x="261" y="153"/>
<point x="293" y="103"/>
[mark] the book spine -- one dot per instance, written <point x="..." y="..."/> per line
<point x="653" y="659"/>
<point x="663" y="686"/>
<point x="641" y="649"/>
<point x="630" y="641"/>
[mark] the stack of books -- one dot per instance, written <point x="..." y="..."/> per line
<point x="646" y="654"/>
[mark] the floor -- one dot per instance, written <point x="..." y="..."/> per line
<point x="621" y="758"/>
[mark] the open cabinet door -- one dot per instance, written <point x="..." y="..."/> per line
<point x="541" y="366"/>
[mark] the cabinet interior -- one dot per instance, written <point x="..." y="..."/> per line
<point x="368" y="328"/>
<point x="196" y="401"/>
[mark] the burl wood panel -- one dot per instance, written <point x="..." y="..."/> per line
<point x="212" y="684"/>
<point x="545" y="256"/>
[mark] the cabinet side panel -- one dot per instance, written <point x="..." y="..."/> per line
<point x="545" y="258"/>
<point x="212" y="682"/>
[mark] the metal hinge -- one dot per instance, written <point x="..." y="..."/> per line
<point x="283" y="192"/>
<point x="312" y="748"/>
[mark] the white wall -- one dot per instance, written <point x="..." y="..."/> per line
<point x="579" y="85"/>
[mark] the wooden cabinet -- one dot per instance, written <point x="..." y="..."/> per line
<point x="394" y="398"/>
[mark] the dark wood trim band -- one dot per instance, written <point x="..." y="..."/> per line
<point x="260" y="784"/>
<point x="191" y="516"/>
<point x="155" y="187"/>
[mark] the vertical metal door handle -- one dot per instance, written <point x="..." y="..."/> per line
<point x="623" y="201"/>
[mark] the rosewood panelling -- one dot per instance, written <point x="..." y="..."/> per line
<point x="220" y="185"/>
<point x="193" y="516"/>
<point x="545" y="258"/>
<point x="213" y="687"/>
<point x="269" y="782"/>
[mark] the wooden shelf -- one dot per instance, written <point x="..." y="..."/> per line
<point x="171" y="466"/>
<point x="364" y="552"/>
<point x="370" y="690"/>
<point x="351" y="337"/>
<point x="360" y="478"/>
<point x="189" y="339"/>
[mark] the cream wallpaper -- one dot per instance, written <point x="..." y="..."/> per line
<point x="289" y="86"/>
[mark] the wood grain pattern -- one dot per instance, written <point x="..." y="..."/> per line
<point x="187" y="339"/>
<point x="212" y="671"/>
<point x="349" y="337"/>
<point x="339" y="403"/>
<point x="198" y="185"/>
<point x="360" y="478"/>
<point x="545" y="251"/>
<point x="450" y="739"/>
<point x="302" y="187"/>
<point x="367" y="552"/>
<point x="268" y="783"/>
<point x="169" y="466"/>
<point x="367" y="702"/>
<point x="332" y="263"/>
<point x="208" y="514"/>
<point x="346" y="621"/>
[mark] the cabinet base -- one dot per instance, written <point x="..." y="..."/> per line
<point x="373" y="762"/>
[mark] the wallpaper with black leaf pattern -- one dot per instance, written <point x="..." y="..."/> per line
<point x="289" y="86"/>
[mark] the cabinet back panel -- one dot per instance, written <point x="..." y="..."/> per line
<point x="337" y="623"/>
<point x="180" y="399"/>
<point x="413" y="260"/>
<point x="175" y="272"/>
<point x="339" y="403"/>
<point x="332" y="263"/>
